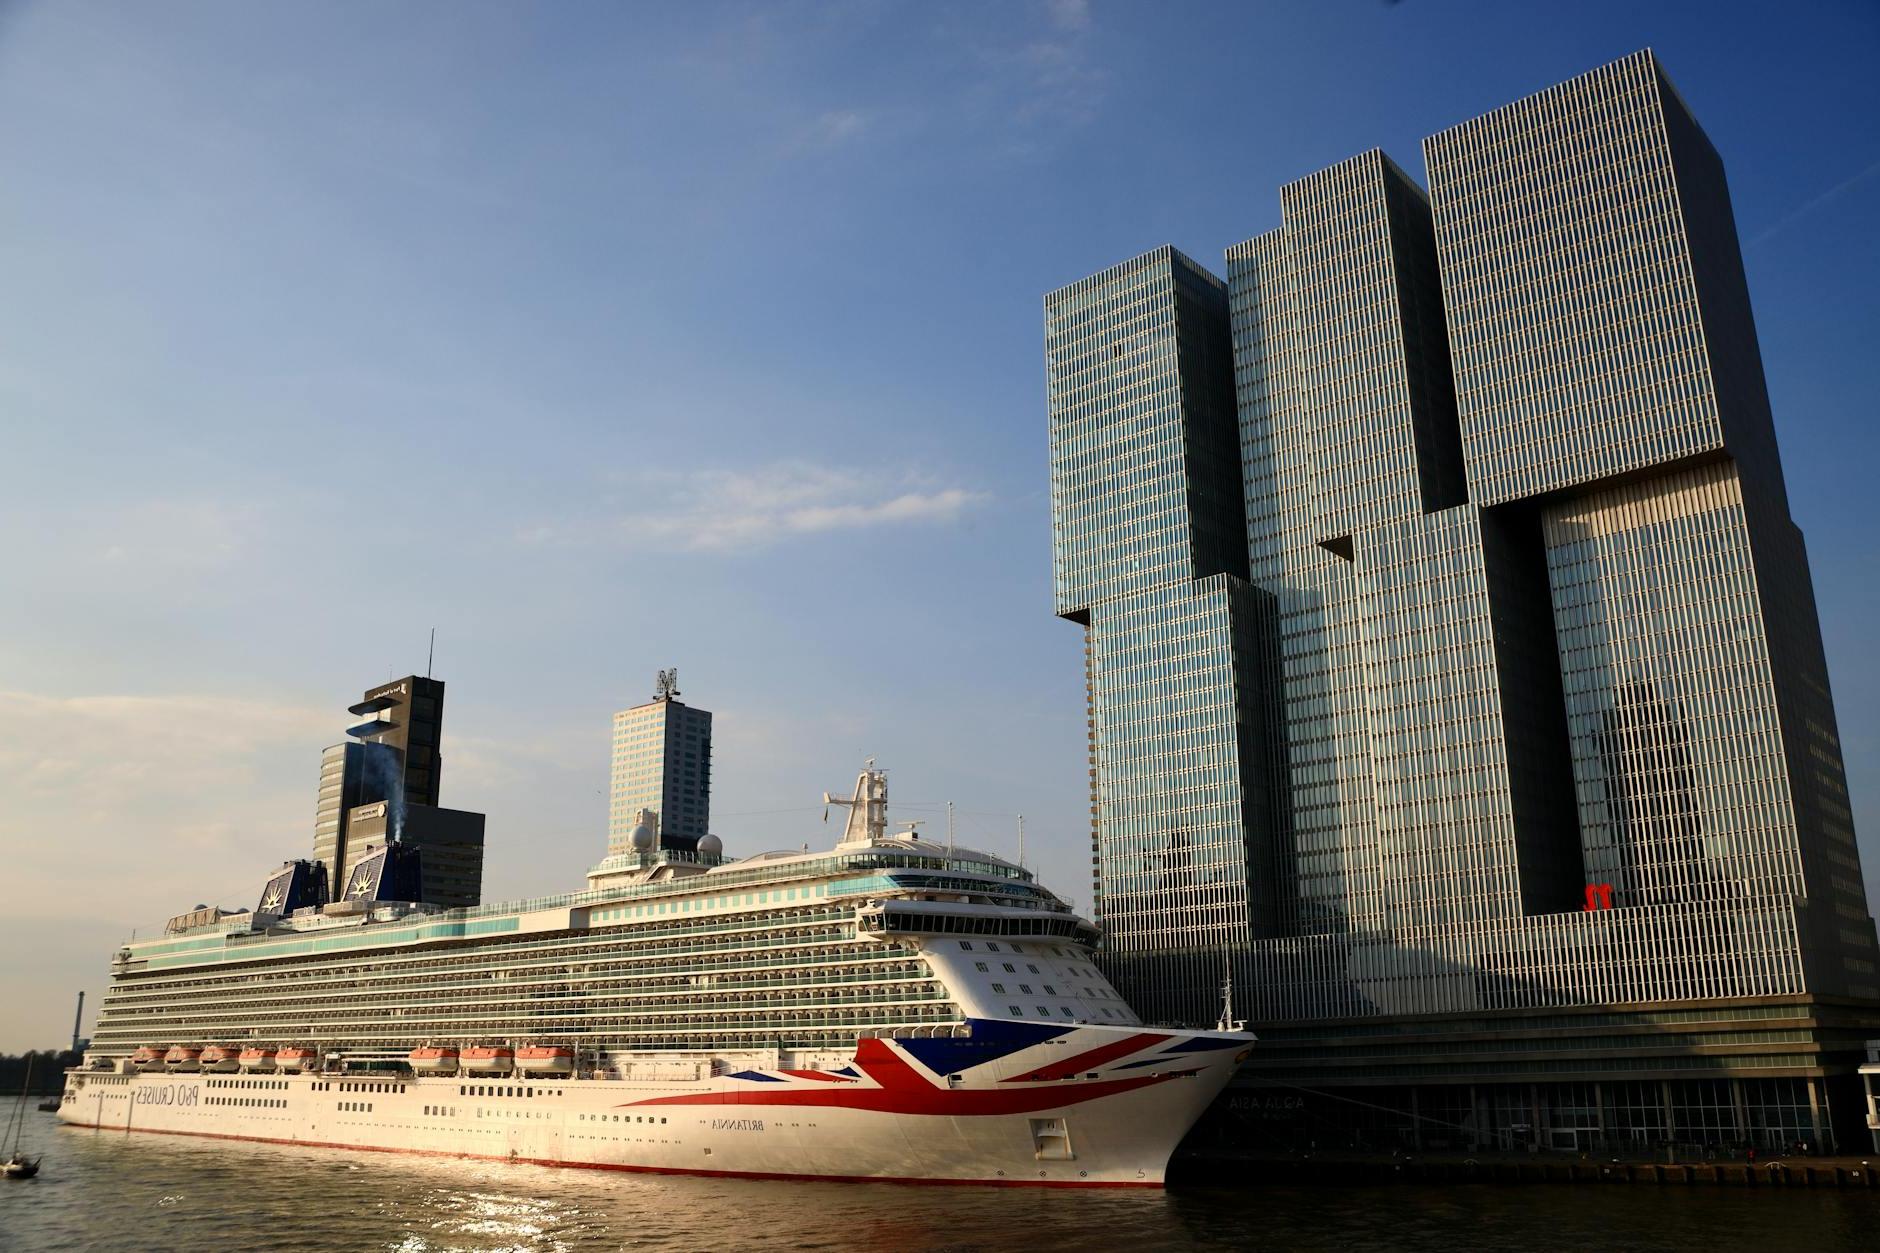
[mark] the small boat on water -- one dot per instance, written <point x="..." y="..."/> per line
<point x="18" y="1165"/>
<point x="50" y="1105"/>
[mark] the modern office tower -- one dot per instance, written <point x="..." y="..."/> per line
<point x="406" y="716"/>
<point x="1517" y="680"/>
<point x="662" y="762"/>
<point x="390" y="770"/>
<point x="1151" y="559"/>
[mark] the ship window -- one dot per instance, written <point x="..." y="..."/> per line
<point x="998" y="987"/>
<point x="1025" y="988"/>
<point x="1045" y="1010"/>
<point x="1067" y="1011"/>
<point x="1010" y="968"/>
<point x="992" y="946"/>
<point x="981" y="967"/>
<point x="1049" y="990"/>
<point x="1016" y="1011"/>
<point x="966" y="944"/>
<point x="1033" y="969"/>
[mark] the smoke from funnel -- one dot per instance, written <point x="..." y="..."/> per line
<point x="385" y="781"/>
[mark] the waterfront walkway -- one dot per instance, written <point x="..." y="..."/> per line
<point x="1225" y="1169"/>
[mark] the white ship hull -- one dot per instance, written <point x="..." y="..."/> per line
<point x="1014" y="1104"/>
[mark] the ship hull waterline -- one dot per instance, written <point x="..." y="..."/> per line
<point x="887" y="1119"/>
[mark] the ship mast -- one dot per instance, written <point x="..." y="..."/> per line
<point x="868" y="808"/>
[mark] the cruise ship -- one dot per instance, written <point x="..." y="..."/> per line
<point x="888" y="1009"/>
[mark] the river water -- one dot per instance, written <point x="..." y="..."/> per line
<point x="104" y="1191"/>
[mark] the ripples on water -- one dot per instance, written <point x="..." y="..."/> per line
<point x="100" y="1191"/>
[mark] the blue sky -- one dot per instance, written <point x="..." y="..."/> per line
<point x="607" y="337"/>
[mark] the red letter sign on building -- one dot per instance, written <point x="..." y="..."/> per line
<point x="1598" y="896"/>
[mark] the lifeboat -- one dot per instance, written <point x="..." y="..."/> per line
<point x="297" y="1059"/>
<point x="147" y="1059"/>
<point x="257" y="1059"/>
<point x="433" y="1059"/>
<point x="545" y="1059"/>
<point x="183" y="1057"/>
<point x="220" y="1059"/>
<point x="484" y="1059"/>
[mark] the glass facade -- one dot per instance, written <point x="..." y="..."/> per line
<point x="1151" y="557"/>
<point x="1512" y="699"/>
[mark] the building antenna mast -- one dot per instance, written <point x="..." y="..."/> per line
<point x="1021" y="841"/>
<point x="430" y="656"/>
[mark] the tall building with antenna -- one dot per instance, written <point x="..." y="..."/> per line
<point x="381" y="787"/>
<point x="662" y="762"/>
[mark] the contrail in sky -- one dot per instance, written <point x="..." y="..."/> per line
<point x="1782" y="222"/>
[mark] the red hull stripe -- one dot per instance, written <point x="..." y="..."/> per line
<point x="902" y="1090"/>
<point x="1096" y="1057"/>
<point x="645" y="1170"/>
<point x="821" y="1076"/>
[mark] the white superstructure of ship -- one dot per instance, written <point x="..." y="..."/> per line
<point x="889" y="1009"/>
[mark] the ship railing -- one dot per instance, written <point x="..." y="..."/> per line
<point x="454" y="978"/>
<point x="498" y="1020"/>
<point x="621" y="1008"/>
<point x="674" y="1034"/>
<point x="878" y="971"/>
<point x="890" y="859"/>
<point x="823" y="927"/>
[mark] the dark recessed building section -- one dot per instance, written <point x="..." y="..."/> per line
<point x="450" y="842"/>
<point x="1547" y="839"/>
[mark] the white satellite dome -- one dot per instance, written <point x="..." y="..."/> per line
<point x="711" y="845"/>
<point x="645" y="834"/>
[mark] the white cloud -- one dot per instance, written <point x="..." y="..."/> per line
<point x="1069" y="14"/>
<point x="1044" y="83"/>
<point x="174" y="535"/>
<point x="832" y="130"/>
<point x="138" y="805"/>
<point x="740" y="510"/>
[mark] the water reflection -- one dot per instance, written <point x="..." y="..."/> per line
<point x="110" y="1192"/>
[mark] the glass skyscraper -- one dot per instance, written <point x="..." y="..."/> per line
<point x="1453" y="666"/>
